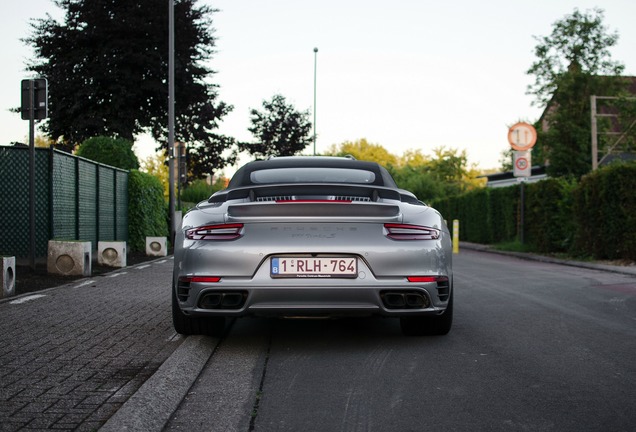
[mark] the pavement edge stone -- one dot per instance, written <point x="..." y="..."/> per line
<point x="150" y="408"/>
<point x="542" y="258"/>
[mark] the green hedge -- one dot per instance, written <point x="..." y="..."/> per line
<point x="549" y="225"/>
<point x="604" y="208"/>
<point x="595" y="217"/>
<point x="199" y="191"/>
<point x="147" y="211"/>
<point x="504" y="214"/>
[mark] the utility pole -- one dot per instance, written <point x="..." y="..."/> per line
<point x="171" y="205"/>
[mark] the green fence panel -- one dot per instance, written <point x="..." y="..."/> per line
<point x="121" y="205"/>
<point x="14" y="199"/>
<point x="64" y="197"/>
<point x="106" y="197"/>
<point x="87" y="200"/>
<point x="75" y="199"/>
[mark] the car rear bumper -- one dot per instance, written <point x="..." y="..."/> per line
<point x="242" y="300"/>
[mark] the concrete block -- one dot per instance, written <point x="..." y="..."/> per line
<point x="69" y="258"/>
<point x="157" y="246"/>
<point x="7" y="276"/>
<point x="111" y="253"/>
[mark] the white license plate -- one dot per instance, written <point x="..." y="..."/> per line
<point x="313" y="267"/>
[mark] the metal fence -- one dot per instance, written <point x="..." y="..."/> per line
<point x="75" y="199"/>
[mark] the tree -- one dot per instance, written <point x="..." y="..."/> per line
<point x="107" y="67"/>
<point x="156" y="166"/>
<point x="445" y="174"/>
<point x="363" y="150"/>
<point x="572" y="64"/>
<point x="115" y="152"/>
<point x="43" y="141"/>
<point x="280" y="130"/>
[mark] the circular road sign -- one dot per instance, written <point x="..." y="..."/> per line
<point x="521" y="163"/>
<point x="522" y="136"/>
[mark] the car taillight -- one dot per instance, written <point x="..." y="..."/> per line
<point x="410" y="232"/>
<point x="215" y="232"/>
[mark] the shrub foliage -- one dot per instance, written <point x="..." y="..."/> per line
<point x="595" y="217"/>
<point x="147" y="210"/>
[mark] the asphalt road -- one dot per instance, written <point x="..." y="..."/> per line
<point x="535" y="347"/>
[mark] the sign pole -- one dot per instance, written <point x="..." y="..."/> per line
<point x="32" y="173"/>
<point x="34" y="106"/>
<point x="522" y="137"/>
<point x="522" y="212"/>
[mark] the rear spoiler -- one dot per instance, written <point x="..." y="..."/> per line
<point x="374" y="193"/>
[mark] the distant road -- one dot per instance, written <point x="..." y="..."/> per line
<point x="535" y="347"/>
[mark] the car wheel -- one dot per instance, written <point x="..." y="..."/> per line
<point x="429" y="325"/>
<point x="188" y="325"/>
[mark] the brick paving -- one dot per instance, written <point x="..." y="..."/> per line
<point x="72" y="355"/>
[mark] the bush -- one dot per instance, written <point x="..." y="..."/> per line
<point x="504" y="214"/>
<point x="474" y="216"/>
<point x="147" y="210"/>
<point x="595" y="218"/>
<point x="115" y="152"/>
<point x="604" y="209"/>
<point x="548" y="217"/>
<point x="200" y="190"/>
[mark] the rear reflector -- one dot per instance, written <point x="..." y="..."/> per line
<point x="204" y="279"/>
<point x="442" y="281"/>
<point x="421" y="279"/>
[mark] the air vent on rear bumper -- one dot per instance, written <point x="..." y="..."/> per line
<point x="443" y="288"/>
<point x="183" y="290"/>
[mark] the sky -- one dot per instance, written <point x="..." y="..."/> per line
<point x="405" y="74"/>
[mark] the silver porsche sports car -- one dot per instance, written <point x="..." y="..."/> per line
<point x="312" y="236"/>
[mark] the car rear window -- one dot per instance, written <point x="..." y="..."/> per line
<point x="312" y="175"/>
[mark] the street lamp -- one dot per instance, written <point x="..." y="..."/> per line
<point x="315" y="62"/>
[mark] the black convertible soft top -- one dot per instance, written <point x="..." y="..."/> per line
<point x="242" y="177"/>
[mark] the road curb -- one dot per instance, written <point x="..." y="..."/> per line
<point x="542" y="258"/>
<point x="150" y="408"/>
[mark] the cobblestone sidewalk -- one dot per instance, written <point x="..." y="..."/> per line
<point x="72" y="355"/>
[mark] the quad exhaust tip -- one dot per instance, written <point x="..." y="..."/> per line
<point x="223" y="300"/>
<point x="404" y="300"/>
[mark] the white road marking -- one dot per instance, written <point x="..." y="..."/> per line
<point x="27" y="298"/>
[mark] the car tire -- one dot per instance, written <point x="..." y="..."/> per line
<point x="188" y="325"/>
<point x="438" y="325"/>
